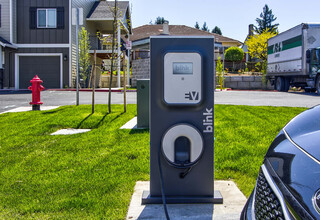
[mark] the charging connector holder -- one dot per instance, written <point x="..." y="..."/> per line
<point x="182" y="145"/>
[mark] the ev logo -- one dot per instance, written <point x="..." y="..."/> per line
<point x="193" y="96"/>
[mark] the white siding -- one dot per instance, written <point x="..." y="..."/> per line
<point x="5" y="19"/>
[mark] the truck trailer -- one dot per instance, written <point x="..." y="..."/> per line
<point x="294" y="58"/>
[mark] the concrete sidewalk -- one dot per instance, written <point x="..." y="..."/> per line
<point x="233" y="203"/>
<point x="29" y="108"/>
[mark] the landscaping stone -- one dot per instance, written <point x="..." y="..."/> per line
<point x="255" y="85"/>
<point x="248" y="79"/>
<point x="243" y="85"/>
<point x="246" y="83"/>
<point x="29" y="108"/>
<point x="236" y="78"/>
<point x="70" y="131"/>
<point x="132" y="124"/>
<point x="140" y="70"/>
<point x="227" y="78"/>
<point x="232" y="85"/>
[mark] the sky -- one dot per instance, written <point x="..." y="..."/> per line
<point x="231" y="16"/>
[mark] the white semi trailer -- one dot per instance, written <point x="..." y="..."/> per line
<point x="294" y="58"/>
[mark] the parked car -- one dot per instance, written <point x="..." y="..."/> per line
<point x="288" y="184"/>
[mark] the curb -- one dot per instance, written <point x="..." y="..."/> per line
<point x="26" y="91"/>
<point x="90" y="90"/>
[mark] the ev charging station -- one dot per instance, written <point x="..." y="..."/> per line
<point x="181" y="121"/>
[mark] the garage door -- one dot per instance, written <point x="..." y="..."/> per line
<point x="46" y="67"/>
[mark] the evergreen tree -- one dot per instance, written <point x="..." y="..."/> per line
<point x="159" y="20"/>
<point x="205" y="27"/>
<point x="265" y="21"/>
<point x="216" y="30"/>
<point x="197" y="25"/>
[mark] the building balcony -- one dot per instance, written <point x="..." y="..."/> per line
<point x="103" y="46"/>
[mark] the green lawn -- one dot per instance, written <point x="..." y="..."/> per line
<point x="92" y="175"/>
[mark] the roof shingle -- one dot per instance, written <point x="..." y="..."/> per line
<point x="146" y="31"/>
<point x="103" y="9"/>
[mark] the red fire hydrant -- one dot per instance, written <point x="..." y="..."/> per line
<point x="36" y="88"/>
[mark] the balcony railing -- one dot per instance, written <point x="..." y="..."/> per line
<point x="97" y="44"/>
<point x="100" y="44"/>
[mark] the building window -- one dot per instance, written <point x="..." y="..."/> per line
<point x="47" y="18"/>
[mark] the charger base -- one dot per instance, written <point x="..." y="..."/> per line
<point x="215" y="199"/>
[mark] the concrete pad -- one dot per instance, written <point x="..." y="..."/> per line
<point x="132" y="124"/>
<point x="29" y="108"/>
<point x="70" y="131"/>
<point x="233" y="203"/>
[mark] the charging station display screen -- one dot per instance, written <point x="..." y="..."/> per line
<point x="182" y="78"/>
<point x="182" y="68"/>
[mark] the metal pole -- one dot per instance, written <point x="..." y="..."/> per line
<point x="128" y="64"/>
<point x="77" y="52"/>
<point x="124" y="84"/>
<point x="118" y="58"/>
<point x="223" y="66"/>
<point x="94" y="80"/>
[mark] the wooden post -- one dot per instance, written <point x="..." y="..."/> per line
<point x="124" y="83"/>
<point x="93" y="79"/>
<point x="90" y="77"/>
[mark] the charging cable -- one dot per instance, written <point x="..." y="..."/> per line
<point x="162" y="187"/>
<point x="186" y="172"/>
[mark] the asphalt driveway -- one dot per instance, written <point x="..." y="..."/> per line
<point x="10" y="100"/>
<point x="267" y="98"/>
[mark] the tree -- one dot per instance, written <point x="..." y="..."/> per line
<point x="115" y="13"/>
<point x="216" y="30"/>
<point x="159" y="20"/>
<point x="234" y="54"/>
<point x="205" y="27"/>
<point x="219" y="70"/>
<point x="265" y="21"/>
<point x="116" y="41"/>
<point x="84" y="56"/>
<point x="197" y="25"/>
<point x="258" y="47"/>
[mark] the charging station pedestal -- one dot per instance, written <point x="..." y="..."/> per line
<point x="181" y="121"/>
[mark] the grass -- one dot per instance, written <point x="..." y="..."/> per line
<point x="243" y="135"/>
<point x="92" y="175"/>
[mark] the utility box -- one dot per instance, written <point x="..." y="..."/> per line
<point x="181" y="121"/>
<point x="143" y="103"/>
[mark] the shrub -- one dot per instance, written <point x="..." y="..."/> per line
<point x="234" y="54"/>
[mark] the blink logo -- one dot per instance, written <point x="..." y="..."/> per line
<point x="208" y="120"/>
<point x="193" y="96"/>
